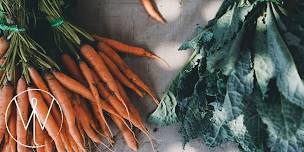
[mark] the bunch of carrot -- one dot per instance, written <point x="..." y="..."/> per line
<point x="99" y="78"/>
<point x="88" y="83"/>
<point x="90" y="88"/>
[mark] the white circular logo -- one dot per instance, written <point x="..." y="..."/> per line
<point x="33" y="115"/>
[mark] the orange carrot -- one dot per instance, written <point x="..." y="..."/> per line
<point x="87" y="123"/>
<point x="134" y="111"/>
<point x="6" y="94"/>
<point x="118" y="105"/>
<point x="38" y="137"/>
<point x="40" y="84"/>
<point x="81" y="131"/>
<point x="124" y="48"/>
<point x="50" y="125"/>
<point x="103" y="124"/>
<point x="72" y="143"/>
<point x="65" y="134"/>
<point x="147" y="4"/>
<point x="106" y="49"/>
<point x="135" y="78"/>
<point x="3" y="46"/>
<point x="22" y="115"/>
<point x="12" y="129"/>
<point x="126" y="69"/>
<point x="74" y="70"/>
<point x="73" y="85"/>
<point x="86" y="71"/>
<point x="78" y="88"/>
<point x="129" y="104"/>
<point x="61" y="95"/>
<point x="72" y="67"/>
<point x="126" y="132"/>
<point x="100" y="68"/>
<point x="122" y="78"/>
<point x="48" y="143"/>
<point x="115" y="104"/>
<point x="6" y="146"/>
<point x="89" y="78"/>
<point x="77" y="100"/>
<point x="136" y="119"/>
<point x="122" y="108"/>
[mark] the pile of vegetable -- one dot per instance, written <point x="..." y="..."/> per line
<point x="41" y="49"/>
<point x="244" y="81"/>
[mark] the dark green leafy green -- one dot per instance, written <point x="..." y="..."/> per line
<point x="263" y="64"/>
<point x="244" y="82"/>
<point x="165" y="113"/>
<point x="284" y="121"/>
<point x="289" y="82"/>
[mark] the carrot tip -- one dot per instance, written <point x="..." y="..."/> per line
<point x="156" y="101"/>
<point x="163" y="21"/>
<point x="161" y="60"/>
<point x="139" y="93"/>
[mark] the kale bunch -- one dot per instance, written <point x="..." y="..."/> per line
<point x="244" y="81"/>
